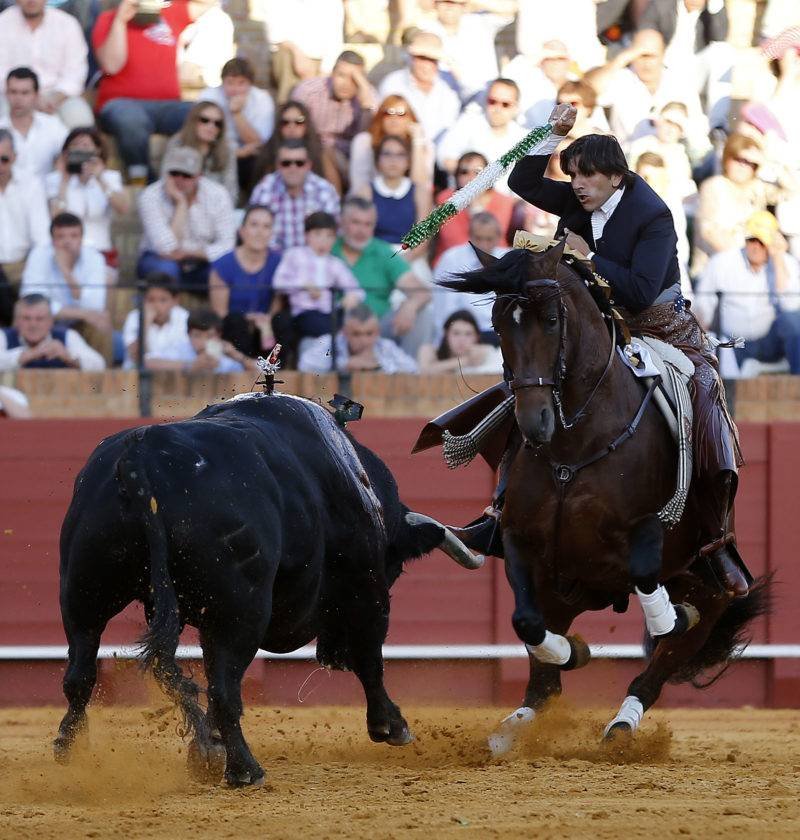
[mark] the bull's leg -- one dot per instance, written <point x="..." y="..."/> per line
<point x="670" y="654"/>
<point x="225" y="663"/>
<point x="79" y="681"/>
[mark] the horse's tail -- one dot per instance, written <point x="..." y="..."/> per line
<point x="727" y="635"/>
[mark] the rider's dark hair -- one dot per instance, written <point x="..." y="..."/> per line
<point x="597" y="153"/>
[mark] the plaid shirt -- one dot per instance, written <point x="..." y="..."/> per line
<point x="290" y="213"/>
<point x="337" y="120"/>
<point x="301" y="267"/>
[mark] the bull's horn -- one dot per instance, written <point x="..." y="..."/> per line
<point x="451" y="545"/>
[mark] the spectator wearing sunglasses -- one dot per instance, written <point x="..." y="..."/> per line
<point x="396" y="118"/>
<point x="293" y="192"/>
<point x="491" y="131"/>
<point x="188" y="222"/>
<point x="205" y="130"/>
<point x="249" y="113"/>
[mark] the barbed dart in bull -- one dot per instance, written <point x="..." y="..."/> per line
<point x="484" y="180"/>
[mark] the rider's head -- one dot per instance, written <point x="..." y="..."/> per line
<point x="597" y="168"/>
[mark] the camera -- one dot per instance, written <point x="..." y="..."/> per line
<point x="76" y="159"/>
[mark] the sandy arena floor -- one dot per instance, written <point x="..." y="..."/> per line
<point x="694" y="773"/>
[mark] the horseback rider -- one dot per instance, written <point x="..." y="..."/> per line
<point x="613" y="219"/>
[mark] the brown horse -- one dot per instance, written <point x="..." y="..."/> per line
<point x="595" y="465"/>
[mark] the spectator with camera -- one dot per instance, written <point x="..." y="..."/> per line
<point x="51" y="43"/>
<point x="38" y="137"/>
<point x="35" y="341"/>
<point x="293" y="192"/>
<point x="187" y="220"/>
<point x="83" y="185"/>
<point x="24" y="220"/>
<point x="249" y="113"/>
<point x="73" y="276"/>
<point x="139" y="93"/>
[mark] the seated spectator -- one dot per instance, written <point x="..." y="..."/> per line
<point x="187" y="220"/>
<point x="204" y="47"/>
<point x="539" y="75"/>
<point x="204" y="130"/>
<point x="72" y="275"/>
<point x="484" y="233"/>
<point x="24" y="220"/>
<point x="434" y="102"/>
<point x="468" y="43"/>
<point x="341" y="105"/>
<point x="456" y="231"/>
<point x="240" y="285"/>
<point x="358" y="347"/>
<point x="34" y="341"/>
<point x="308" y="275"/>
<point x="636" y="83"/>
<point x="305" y="36"/>
<point x="293" y="123"/>
<point x="399" y="201"/>
<point x="727" y="200"/>
<point x="165" y="331"/>
<point x="249" y="114"/>
<point x="139" y="93"/>
<point x="491" y="131"/>
<point x="38" y="137"/>
<point x="754" y="293"/>
<point x="669" y="144"/>
<point x="51" y="43"/>
<point x="379" y="273"/>
<point x="203" y="351"/>
<point x="395" y="117"/>
<point x="81" y="184"/>
<point x="14" y="404"/>
<point x="581" y="95"/>
<point x="460" y="349"/>
<point x="293" y="192"/>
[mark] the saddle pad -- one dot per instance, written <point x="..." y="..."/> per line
<point x="661" y="350"/>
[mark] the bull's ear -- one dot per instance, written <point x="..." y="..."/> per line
<point x="548" y="262"/>
<point x="486" y="259"/>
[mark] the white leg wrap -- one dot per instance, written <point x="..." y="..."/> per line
<point x="659" y="614"/>
<point x="500" y="742"/>
<point x="554" y="650"/>
<point x="631" y="712"/>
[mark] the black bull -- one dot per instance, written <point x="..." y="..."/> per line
<point x="259" y="522"/>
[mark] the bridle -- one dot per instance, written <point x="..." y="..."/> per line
<point x="560" y="372"/>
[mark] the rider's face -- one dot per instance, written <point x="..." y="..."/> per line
<point x="592" y="191"/>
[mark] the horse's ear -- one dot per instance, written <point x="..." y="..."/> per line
<point x="548" y="264"/>
<point x="486" y="259"/>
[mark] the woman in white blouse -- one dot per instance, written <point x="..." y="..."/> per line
<point x="82" y="184"/>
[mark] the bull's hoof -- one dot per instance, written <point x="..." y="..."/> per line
<point x="619" y="734"/>
<point x="579" y="655"/>
<point x="252" y="779"/>
<point x="62" y="748"/>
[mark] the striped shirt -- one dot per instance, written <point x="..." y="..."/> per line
<point x="337" y="120"/>
<point x="289" y="211"/>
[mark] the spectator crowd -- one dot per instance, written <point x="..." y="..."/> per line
<point x="269" y="191"/>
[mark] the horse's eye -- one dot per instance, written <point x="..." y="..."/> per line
<point x="552" y="320"/>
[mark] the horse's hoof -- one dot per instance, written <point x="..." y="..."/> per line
<point x="245" y="779"/>
<point x="403" y="739"/>
<point x="206" y="764"/>
<point x="618" y="733"/>
<point x="503" y="740"/>
<point x="579" y="655"/>
<point x="61" y="749"/>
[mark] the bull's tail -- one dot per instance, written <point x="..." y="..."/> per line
<point x="158" y="644"/>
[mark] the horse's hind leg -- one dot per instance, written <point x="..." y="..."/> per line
<point x="669" y="655"/>
<point x="79" y="682"/>
<point x="662" y="617"/>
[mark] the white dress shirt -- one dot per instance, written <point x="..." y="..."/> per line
<point x="43" y="276"/>
<point x="161" y="340"/>
<point x="37" y="150"/>
<point x="88" y="358"/>
<point x="55" y="50"/>
<point x="24" y="219"/>
<point x="603" y="213"/>
<point x="436" y="109"/>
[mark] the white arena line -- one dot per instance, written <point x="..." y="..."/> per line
<point x="418" y="652"/>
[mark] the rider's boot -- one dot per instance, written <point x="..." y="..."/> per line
<point x="719" y="543"/>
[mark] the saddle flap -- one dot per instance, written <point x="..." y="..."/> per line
<point x="666" y="352"/>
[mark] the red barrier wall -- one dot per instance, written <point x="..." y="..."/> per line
<point x="434" y="603"/>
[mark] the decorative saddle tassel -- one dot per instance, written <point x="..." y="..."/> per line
<point x="460" y="450"/>
<point x="672" y="512"/>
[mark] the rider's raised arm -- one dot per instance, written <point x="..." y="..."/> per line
<point x="637" y="286"/>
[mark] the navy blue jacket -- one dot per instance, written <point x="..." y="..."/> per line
<point x="637" y="253"/>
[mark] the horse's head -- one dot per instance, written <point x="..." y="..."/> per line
<point x="529" y="315"/>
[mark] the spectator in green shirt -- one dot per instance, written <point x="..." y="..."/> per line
<point x="379" y="272"/>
